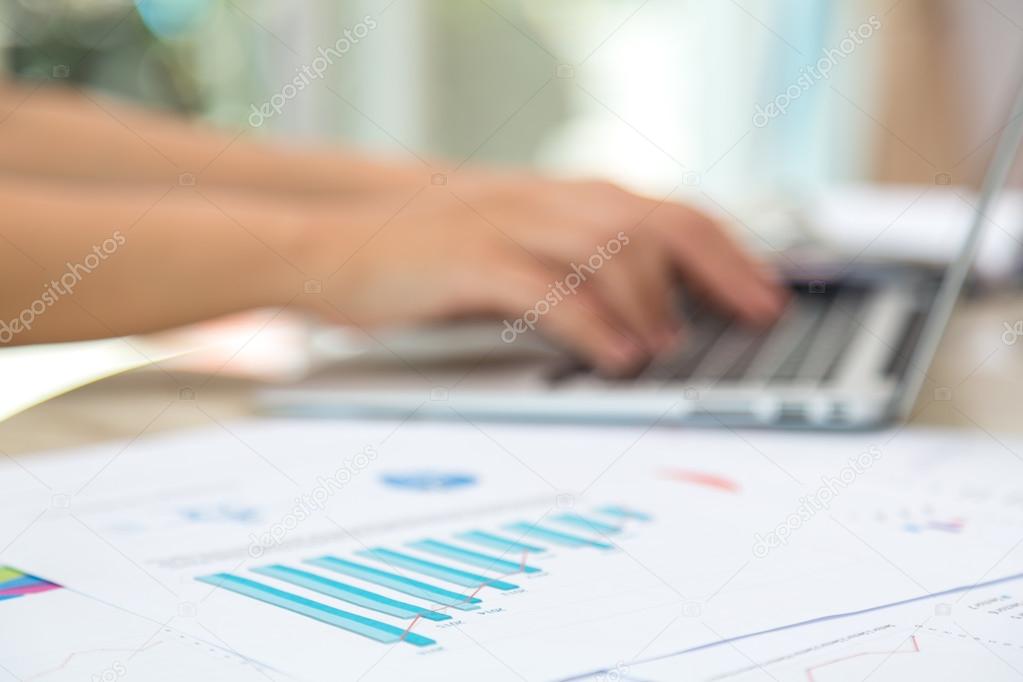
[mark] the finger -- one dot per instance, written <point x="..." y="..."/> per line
<point x="714" y="262"/>
<point x="529" y="296"/>
<point x="659" y="290"/>
<point x="631" y="286"/>
<point x="580" y="251"/>
<point x="631" y="276"/>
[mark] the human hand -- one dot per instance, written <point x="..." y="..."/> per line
<point x="587" y="263"/>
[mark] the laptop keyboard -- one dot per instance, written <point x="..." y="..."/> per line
<point x="805" y="345"/>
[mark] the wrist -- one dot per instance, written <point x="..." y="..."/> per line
<point x="325" y="237"/>
<point x="336" y="172"/>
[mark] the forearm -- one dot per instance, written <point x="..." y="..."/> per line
<point x="67" y="133"/>
<point x="90" y="263"/>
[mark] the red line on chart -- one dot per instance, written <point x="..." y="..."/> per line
<point x="703" y="479"/>
<point x="914" y="650"/>
<point x="469" y="597"/>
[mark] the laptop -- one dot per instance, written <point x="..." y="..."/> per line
<point x="850" y="351"/>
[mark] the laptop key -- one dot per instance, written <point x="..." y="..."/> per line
<point x="811" y="312"/>
<point x="726" y="353"/>
<point x="832" y="337"/>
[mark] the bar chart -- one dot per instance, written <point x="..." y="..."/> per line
<point x="446" y="576"/>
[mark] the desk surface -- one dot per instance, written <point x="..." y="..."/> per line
<point x="976" y="383"/>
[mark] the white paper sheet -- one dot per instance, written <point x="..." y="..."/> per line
<point x="741" y="533"/>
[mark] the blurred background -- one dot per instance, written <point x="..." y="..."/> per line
<point x="651" y="93"/>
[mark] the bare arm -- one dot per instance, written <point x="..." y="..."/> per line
<point x="85" y="262"/>
<point x="70" y="133"/>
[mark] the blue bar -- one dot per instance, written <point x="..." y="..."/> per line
<point x="348" y="593"/>
<point x="360" y="625"/>
<point x="490" y="563"/>
<point x="556" y="536"/>
<point x="591" y="525"/>
<point x="437" y="595"/>
<point x="623" y="513"/>
<point x="499" y="543"/>
<point x="452" y="575"/>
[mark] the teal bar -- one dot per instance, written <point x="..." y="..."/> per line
<point x="623" y="513"/>
<point x="589" y="524"/>
<point x="437" y="595"/>
<point x="348" y="593"/>
<point x="491" y="563"/>
<point x="556" y="536"/>
<point x="360" y="625"/>
<point x="452" y="575"/>
<point x="499" y="543"/>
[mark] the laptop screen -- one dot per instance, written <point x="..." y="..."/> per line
<point x="955" y="276"/>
